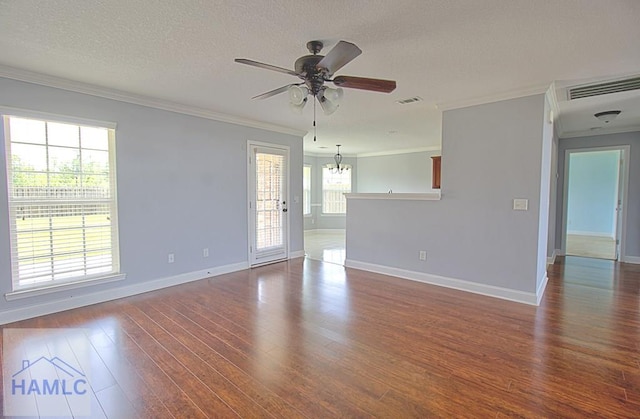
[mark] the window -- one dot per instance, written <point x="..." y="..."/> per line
<point x="334" y="186"/>
<point x="306" y="190"/>
<point x="62" y="202"/>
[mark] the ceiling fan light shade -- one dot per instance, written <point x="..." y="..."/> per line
<point x="334" y="95"/>
<point x="327" y="106"/>
<point x="298" y="95"/>
<point x="298" y="108"/>
<point x="330" y="99"/>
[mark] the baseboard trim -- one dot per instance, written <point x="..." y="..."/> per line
<point x="297" y="254"/>
<point x="68" y="303"/>
<point x="631" y="259"/>
<point x="552" y="259"/>
<point x="459" y="284"/>
<point x="541" y="288"/>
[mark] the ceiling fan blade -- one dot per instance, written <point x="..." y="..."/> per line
<point x="339" y="56"/>
<point x="376" y="85"/>
<point x="275" y="91"/>
<point x="266" y="66"/>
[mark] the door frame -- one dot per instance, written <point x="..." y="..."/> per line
<point x="287" y="183"/>
<point x="623" y="189"/>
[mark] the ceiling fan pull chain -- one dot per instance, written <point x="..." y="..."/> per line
<point x="314" y="121"/>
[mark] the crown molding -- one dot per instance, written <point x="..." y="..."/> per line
<point x="121" y="96"/>
<point x="604" y="131"/>
<point x="329" y="155"/>
<point x="403" y="151"/>
<point x="377" y="153"/>
<point x="514" y="94"/>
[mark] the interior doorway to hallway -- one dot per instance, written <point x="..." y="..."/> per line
<point x="594" y="190"/>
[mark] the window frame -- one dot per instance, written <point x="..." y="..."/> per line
<point x="306" y="204"/>
<point x="37" y="288"/>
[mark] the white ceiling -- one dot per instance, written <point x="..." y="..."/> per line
<point x="448" y="52"/>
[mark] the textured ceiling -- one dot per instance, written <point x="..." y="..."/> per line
<point x="445" y="51"/>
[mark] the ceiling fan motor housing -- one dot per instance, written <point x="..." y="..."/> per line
<point x="308" y="71"/>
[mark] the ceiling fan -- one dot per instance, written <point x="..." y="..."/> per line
<point x="315" y="70"/>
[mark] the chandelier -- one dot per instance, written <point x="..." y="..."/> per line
<point x="339" y="167"/>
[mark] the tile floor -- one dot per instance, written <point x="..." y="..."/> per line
<point x="591" y="246"/>
<point x="325" y="245"/>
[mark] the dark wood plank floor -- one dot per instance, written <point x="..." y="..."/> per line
<point x="307" y="339"/>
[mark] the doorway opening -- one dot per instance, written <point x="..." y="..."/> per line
<point x="595" y="195"/>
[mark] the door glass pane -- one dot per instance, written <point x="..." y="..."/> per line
<point x="269" y="191"/>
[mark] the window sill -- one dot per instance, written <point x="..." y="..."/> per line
<point x="50" y="289"/>
<point x="334" y="215"/>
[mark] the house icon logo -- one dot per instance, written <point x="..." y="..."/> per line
<point x="48" y="377"/>
<point x="47" y="373"/>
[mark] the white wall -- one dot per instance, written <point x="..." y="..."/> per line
<point x="182" y="186"/>
<point x="491" y="154"/>
<point x="402" y="173"/>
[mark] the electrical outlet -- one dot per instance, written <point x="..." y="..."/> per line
<point x="205" y="252"/>
<point x="171" y="258"/>
<point x="423" y="255"/>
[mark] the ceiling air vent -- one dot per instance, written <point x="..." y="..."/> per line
<point x="410" y="100"/>
<point x="604" y="88"/>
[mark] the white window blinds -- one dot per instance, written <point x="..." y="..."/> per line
<point x="62" y="201"/>
<point x="334" y="186"/>
<point x="269" y="196"/>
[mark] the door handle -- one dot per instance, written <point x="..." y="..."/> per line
<point x="284" y="206"/>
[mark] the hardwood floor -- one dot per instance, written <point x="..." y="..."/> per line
<point x="311" y="339"/>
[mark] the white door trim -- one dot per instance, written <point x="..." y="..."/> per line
<point x="250" y="222"/>
<point x="621" y="229"/>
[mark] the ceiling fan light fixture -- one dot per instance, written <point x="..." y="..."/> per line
<point x="298" y="95"/>
<point x="334" y="95"/>
<point x="327" y="106"/>
<point x="298" y="108"/>
<point x="607" y="116"/>
<point x="330" y="99"/>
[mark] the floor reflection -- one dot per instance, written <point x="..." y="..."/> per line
<point x="325" y="245"/>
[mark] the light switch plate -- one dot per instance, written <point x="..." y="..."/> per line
<point x="520" y="204"/>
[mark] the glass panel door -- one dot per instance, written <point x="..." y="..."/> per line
<point x="268" y="204"/>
